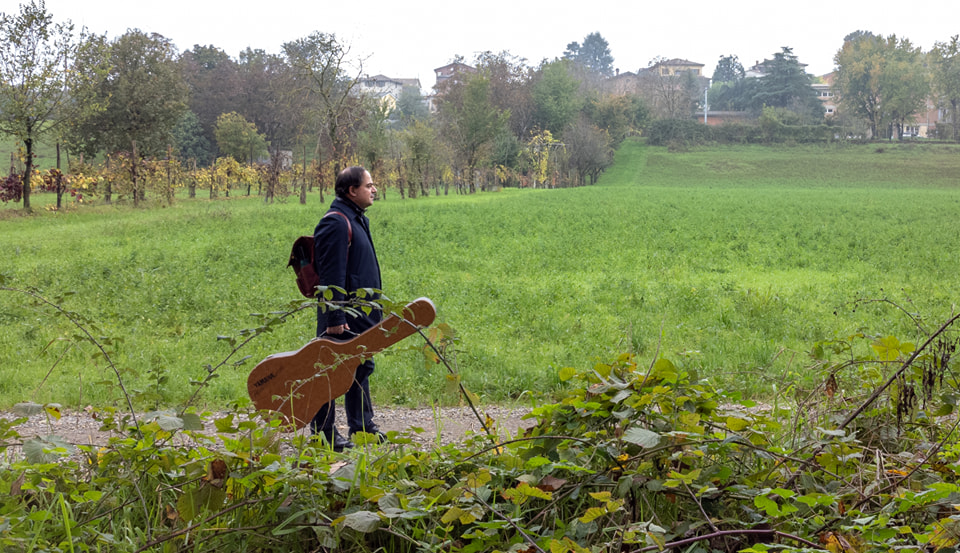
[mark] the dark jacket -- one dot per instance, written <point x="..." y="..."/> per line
<point x="350" y="270"/>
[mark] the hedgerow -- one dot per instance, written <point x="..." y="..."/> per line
<point x="632" y="455"/>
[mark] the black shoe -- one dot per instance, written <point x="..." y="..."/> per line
<point x="339" y="442"/>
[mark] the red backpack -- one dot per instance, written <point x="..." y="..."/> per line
<point x="301" y="259"/>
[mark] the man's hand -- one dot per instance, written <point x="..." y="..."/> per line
<point x="337" y="330"/>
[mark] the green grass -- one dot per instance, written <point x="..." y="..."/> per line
<point x="731" y="260"/>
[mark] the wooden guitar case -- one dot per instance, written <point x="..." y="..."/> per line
<point x="298" y="383"/>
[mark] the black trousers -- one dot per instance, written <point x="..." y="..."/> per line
<point x="356" y="403"/>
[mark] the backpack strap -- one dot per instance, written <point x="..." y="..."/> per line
<point x="349" y="226"/>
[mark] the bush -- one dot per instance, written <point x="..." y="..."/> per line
<point x="685" y="131"/>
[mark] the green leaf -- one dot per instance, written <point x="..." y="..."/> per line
<point x="890" y="349"/>
<point x="766" y="504"/>
<point x="642" y="437"/>
<point x="46" y="449"/>
<point x="452" y="514"/>
<point x="736" y="424"/>
<point x="362" y="521"/>
<point x="192" y="421"/>
<point x="567" y="373"/>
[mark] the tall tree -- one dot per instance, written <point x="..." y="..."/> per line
<point x="729" y="69"/>
<point x="420" y="149"/>
<point x="556" y="96"/>
<point x="146" y="98"/>
<point x="945" y="74"/>
<point x="470" y="122"/>
<point x="594" y="54"/>
<point x="41" y="88"/>
<point x="785" y="84"/>
<point x="214" y="82"/>
<point x="271" y="96"/>
<point x="881" y="80"/>
<point x="510" y="79"/>
<point x="329" y="74"/>
<point x="411" y="105"/>
<point x="190" y="140"/>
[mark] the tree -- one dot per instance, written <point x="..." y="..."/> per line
<point x="145" y="97"/>
<point x="238" y="138"/>
<point x="510" y="90"/>
<point x="41" y="89"/>
<point x="785" y="84"/>
<point x="373" y="141"/>
<point x="729" y="69"/>
<point x="556" y="96"/>
<point x="420" y="149"/>
<point x="670" y="96"/>
<point x="619" y="116"/>
<point x="945" y="74"/>
<point x="880" y="79"/>
<point x="190" y="140"/>
<point x="328" y="75"/>
<point x="470" y="122"/>
<point x="214" y="82"/>
<point x="411" y="105"/>
<point x="590" y="150"/>
<point x="593" y="54"/>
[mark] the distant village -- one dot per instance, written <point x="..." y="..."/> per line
<point x="388" y="89"/>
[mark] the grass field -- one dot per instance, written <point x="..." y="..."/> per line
<point x="730" y="260"/>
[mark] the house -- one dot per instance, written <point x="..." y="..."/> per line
<point x="825" y="95"/>
<point x="675" y="66"/>
<point x="451" y="70"/>
<point x="386" y="89"/>
<point x="622" y="84"/>
<point x="447" y="74"/>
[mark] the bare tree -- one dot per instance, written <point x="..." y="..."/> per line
<point x="330" y="75"/>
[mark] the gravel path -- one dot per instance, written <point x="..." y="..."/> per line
<point x="446" y="425"/>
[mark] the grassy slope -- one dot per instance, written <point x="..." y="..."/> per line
<point x="719" y="258"/>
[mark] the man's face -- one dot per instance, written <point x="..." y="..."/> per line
<point x="364" y="194"/>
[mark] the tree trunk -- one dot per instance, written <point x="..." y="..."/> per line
<point x="193" y="181"/>
<point x="133" y="174"/>
<point x="59" y="177"/>
<point x="28" y="143"/>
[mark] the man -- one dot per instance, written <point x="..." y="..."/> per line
<point x="345" y="258"/>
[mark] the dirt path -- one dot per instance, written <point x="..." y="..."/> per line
<point x="446" y="425"/>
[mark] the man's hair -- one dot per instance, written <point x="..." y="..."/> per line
<point x="348" y="178"/>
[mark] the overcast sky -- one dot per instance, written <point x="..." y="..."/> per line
<point x="405" y="39"/>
